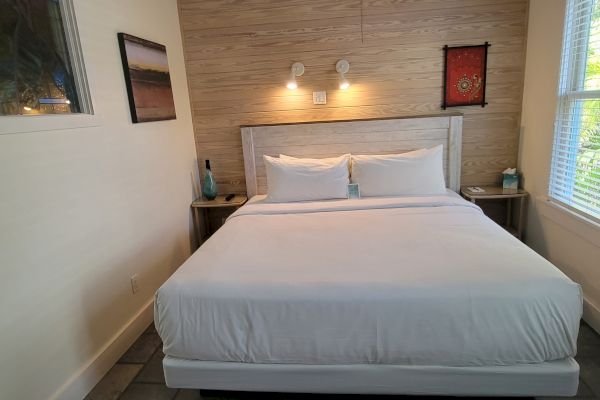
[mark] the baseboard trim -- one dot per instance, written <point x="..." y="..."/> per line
<point x="591" y="314"/>
<point x="84" y="380"/>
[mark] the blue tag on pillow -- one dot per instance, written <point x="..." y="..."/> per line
<point x="353" y="191"/>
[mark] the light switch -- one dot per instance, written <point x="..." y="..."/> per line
<point x="320" y="97"/>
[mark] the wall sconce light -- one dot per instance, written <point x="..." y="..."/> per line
<point x="297" y="70"/>
<point x="342" y="67"/>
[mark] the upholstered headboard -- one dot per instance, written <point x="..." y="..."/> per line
<point x="373" y="136"/>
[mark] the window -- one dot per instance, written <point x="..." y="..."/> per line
<point x="575" y="170"/>
<point x="41" y="68"/>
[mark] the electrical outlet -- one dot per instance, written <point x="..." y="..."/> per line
<point x="134" y="283"/>
<point x="320" y="97"/>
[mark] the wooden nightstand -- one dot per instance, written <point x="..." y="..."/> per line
<point x="497" y="192"/>
<point x="204" y="205"/>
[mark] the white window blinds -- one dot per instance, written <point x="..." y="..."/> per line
<point x="575" y="170"/>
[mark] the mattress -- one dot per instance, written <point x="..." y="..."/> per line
<point x="551" y="378"/>
<point x="399" y="281"/>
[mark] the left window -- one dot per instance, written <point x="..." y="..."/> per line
<point x="41" y="65"/>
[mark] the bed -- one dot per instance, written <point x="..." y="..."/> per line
<point x="382" y="295"/>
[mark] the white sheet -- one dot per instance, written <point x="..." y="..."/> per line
<point x="410" y="281"/>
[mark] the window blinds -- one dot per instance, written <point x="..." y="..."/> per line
<point x="575" y="169"/>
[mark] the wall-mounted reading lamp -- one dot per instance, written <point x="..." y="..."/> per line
<point x="342" y="67"/>
<point x="297" y="70"/>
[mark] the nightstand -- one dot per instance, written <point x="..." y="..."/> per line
<point x="497" y="192"/>
<point x="204" y="205"/>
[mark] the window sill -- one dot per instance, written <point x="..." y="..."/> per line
<point x="575" y="223"/>
<point x="49" y="122"/>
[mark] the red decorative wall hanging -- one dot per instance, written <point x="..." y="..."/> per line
<point x="464" y="75"/>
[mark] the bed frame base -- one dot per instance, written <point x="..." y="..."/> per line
<point x="554" y="378"/>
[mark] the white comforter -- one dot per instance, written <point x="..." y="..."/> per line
<point x="413" y="280"/>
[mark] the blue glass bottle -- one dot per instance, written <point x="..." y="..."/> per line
<point x="209" y="189"/>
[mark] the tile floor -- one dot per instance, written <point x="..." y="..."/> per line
<point x="138" y="375"/>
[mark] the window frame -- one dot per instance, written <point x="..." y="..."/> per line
<point x="571" y="90"/>
<point x="74" y="45"/>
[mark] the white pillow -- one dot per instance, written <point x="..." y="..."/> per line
<point x="419" y="172"/>
<point x="330" y="160"/>
<point x="290" y="180"/>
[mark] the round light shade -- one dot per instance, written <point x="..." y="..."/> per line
<point x="342" y="66"/>
<point x="297" y="70"/>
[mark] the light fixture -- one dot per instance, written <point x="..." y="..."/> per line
<point x="297" y="70"/>
<point x="27" y="108"/>
<point x="342" y="67"/>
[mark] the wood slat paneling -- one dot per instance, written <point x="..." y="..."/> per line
<point x="238" y="55"/>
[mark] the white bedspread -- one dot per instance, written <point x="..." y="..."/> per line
<point x="412" y="281"/>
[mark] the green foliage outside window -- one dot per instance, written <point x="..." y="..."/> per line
<point x="587" y="178"/>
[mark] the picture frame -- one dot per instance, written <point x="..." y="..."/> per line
<point x="465" y="74"/>
<point x="147" y="78"/>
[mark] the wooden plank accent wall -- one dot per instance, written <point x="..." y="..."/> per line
<point x="239" y="53"/>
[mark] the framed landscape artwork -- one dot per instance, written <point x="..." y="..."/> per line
<point x="464" y="75"/>
<point x="147" y="79"/>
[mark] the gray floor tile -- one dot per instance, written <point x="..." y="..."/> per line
<point x="188" y="394"/>
<point x="590" y="374"/>
<point x="142" y="349"/>
<point x="153" y="370"/>
<point x="148" y="391"/>
<point x="114" y="382"/>
<point x="588" y="342"/>
<point x="584" y="391"/>
<point x="151" y="329"/>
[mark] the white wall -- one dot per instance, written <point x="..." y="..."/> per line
<point x="569" y="242"/>
<point x="83" y="209"/>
